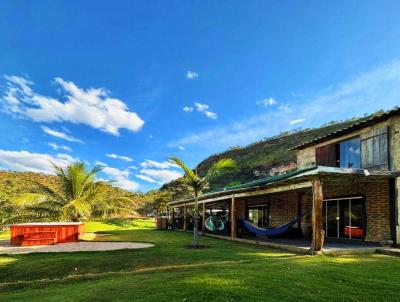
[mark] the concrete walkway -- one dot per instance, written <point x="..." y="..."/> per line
<point x="391" y="251"/>
<point x="302" y="246"/>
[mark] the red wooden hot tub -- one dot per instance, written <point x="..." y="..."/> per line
<point x="42" y="233"/>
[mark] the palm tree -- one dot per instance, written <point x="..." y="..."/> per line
<point x="73" y="197"/>
<point x="111" y="202"/>
<point x="199" y="183"/>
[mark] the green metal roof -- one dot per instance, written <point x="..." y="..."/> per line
<point x="265" y="181"/>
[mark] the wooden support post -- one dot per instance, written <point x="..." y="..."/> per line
<point x="184" y="217"/>
<point x="203" y="220"/>
<point x="317" y="223"/>
<point x="233" y="217"/>
<point x="172" y="213"/>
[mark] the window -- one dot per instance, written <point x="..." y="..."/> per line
<point x="350" y="154"/>
<point x="328" y="155"/>
<point x="345" y="154"/>
<point x="258" y="215"/>
<point x="375" y="150"/>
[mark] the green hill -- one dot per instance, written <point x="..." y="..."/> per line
<point x="260" y="159"/>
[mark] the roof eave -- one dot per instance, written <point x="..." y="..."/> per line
<point x="370" y="121"/>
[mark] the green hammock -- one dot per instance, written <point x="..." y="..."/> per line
<point x="214" y="223"/>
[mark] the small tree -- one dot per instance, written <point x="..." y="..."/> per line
<point x="199" y="183"/>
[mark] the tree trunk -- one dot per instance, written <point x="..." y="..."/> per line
<point x="195" y="241"/>
<point x="74" y="217"/>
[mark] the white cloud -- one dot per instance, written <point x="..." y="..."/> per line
<point x="297" y="121"/>
<point x="100" y="163"/>
<point x="146" y="178"/>
<point x="66" y="157"/>
<point x="59" y="147"/>
<point x="268" y="102"/>
<point x="125" y="158"/>
<point x="133" y="168"/>
<point x="191" y="75"/>
<point x="35" y="162"/>
<point x="188" y="109"/>
<point x="368" y="92"/>
<point x="60" y="134"/>
<point x="119" y="178"/>
<point x="211" y="115"/>
<point x="92" y="107"/>
<point x="23" y="83"/>
<point x="284" y="106"/>
<point x="148" y="163"/>
<point x="160" y="176"/>
<point x="182" y="148"/>
<point x="158" y="172"/>
<point x="202" y="108"/>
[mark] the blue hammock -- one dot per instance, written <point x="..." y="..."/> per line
<point x="272" y="231"/>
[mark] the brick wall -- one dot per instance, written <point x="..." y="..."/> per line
<point x="376" y="204"/>
<point x="283" y="206"/>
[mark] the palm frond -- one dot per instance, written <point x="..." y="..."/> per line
<point x="218" y="166"/>
<point x="114" y="206"/>
<point x="88" y="182"/>
<point x="189" y="174"/>
<point x="79" y="206"/>
<point x="47" y="190"/>
<point x="27" y="199"/>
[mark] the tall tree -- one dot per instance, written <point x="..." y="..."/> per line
<point x="199" y="183"/>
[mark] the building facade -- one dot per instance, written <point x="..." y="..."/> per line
<point x="346" y="187"/>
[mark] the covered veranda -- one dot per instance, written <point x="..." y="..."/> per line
<point x="310" y="193"/>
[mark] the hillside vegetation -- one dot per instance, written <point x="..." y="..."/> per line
<point x="260" y="159"/>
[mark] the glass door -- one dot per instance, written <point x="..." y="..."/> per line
<point x="331" y="218"/>
<point x="356" y="228"/>
<point x="345" y="218"/>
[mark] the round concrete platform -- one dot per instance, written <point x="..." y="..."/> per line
<point x="81" y="246"/>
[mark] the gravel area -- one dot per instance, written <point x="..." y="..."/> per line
<point x="81" y="246"/>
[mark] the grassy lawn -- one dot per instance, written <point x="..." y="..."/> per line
<point x="4" y="235"/>
<point x="226" y="271"/>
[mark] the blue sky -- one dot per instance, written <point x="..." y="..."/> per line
<point x="125" y="84"/>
